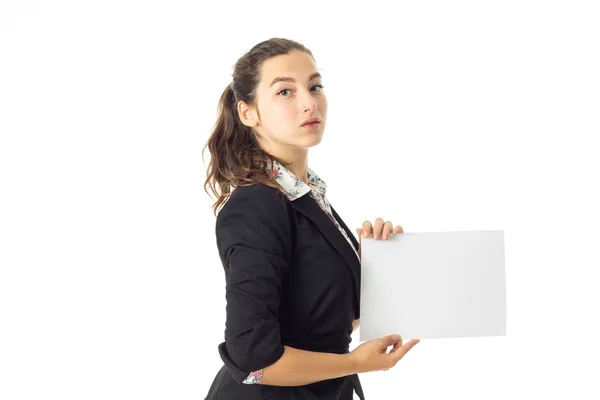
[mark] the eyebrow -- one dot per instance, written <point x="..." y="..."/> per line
<point x="288" y="79"/>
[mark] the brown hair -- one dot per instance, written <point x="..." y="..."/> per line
<point x="236" y="157"/>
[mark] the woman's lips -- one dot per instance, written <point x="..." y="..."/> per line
<point x="311" y="125"/>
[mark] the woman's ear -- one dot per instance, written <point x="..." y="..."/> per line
<point x="247" y="114"/>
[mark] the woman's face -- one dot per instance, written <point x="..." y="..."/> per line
<point x="285" y="104"/>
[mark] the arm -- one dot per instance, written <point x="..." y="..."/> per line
<point x="300" y="367"/>
<point x="299" y="357"/>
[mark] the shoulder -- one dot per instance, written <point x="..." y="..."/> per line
<point x="257" y="208"/>
<point x="257" y="199"/>
<point x="258" y="192"/>
<point x="258" y="217"/>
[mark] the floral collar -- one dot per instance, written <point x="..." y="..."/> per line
<point x="293" y="185"/>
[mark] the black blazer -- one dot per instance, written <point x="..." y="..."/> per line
<point x="291" y="279"/>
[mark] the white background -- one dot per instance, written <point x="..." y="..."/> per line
<point x="461" y="115"/>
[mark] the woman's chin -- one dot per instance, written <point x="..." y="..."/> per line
<point x="313" y="139"/>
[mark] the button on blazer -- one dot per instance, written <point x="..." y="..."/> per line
<point x="292" y="279"/>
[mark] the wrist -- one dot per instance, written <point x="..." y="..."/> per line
<point x="353" y="364"/>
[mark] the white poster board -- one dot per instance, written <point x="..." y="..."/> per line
<point x="433" y="285"/>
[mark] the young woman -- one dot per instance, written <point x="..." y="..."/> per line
<point x="292" y="266"/>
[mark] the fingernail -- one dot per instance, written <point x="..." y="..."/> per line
<point x="377" y="236"/>
<point x="365" y="234"/>
<point x="384" y="237"/>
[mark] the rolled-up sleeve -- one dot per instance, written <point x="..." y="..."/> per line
<point x="255" y="244"/>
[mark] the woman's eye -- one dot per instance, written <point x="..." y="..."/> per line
<point x="284" y="90"/>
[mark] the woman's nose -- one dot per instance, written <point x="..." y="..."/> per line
<point x="309" y="103"/>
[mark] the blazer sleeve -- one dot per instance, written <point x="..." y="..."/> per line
<point x="254" y="239"/>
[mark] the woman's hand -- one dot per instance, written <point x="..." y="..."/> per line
<point x="372" y="356"/>
<point x="380" y="231"/>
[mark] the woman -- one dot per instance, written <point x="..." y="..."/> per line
<point x="292" y="266"/>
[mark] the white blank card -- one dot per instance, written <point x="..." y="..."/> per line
<point x="433" y="285"/>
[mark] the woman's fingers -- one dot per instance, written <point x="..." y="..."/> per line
<point x="397" y="345"/>
<point x="389" y="340"/>
<point x="388" y="227"/>
<point x="367" y="229"/>
<point x="378" y="228"/>
<point x="381" y="230"/>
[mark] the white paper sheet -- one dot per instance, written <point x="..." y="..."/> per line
<point x="433" y="285"/>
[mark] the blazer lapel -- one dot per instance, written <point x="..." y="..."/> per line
<point x="348" y="231"/>
<point x="309" y="208"/>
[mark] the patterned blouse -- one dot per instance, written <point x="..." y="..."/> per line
<point x="296" y="188"/>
